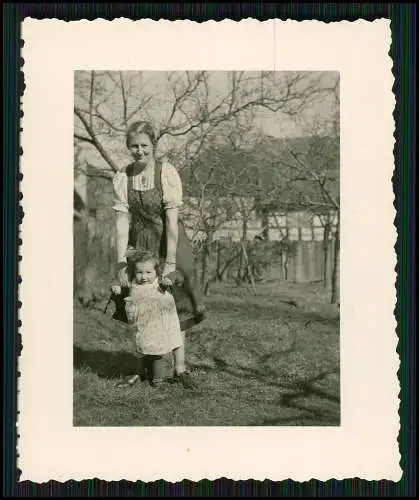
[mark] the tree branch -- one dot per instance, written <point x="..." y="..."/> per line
<point x="315" y="177"/>
<point x="82" y="138"/>
<point x="91" y="98"/>
<point x="124" y="98"/>
<point x="99" y="115"/>
<point x="143" y="104"/>
<point x="95" y="141"/>
<point x="104" y="174"/>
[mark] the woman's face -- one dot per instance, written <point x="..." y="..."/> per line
<point x="141" y="148"/>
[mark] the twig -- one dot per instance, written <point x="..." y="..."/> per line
<point x="95" y="141"/>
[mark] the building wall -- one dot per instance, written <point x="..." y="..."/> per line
<point x="298" y="225"/>
<point x="95" y="238"/>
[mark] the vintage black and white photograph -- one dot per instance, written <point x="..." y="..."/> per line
<point x="208" y="252"/>
<point x="206" y="237"/>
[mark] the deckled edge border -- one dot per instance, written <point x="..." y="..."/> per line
<point x="397" y="268"/>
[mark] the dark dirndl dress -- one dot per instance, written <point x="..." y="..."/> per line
<point x="148" y="232"/>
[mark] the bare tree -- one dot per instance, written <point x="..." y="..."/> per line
<point x="186" y="110"/>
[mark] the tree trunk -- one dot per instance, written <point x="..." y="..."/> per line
<point x="285" y="264"/>
<point x="218" y="270"/>
<point x="326" y="236"/>
<point x="248" y="269"/>
<point x="206" y="254"/>
<point x="336" y="262"/>
<point x="80" y="239"/>
<point x="204" y="265"/>
<point x="240" y="267"/>
<point x="265" y="224"/>
<point x="231" y="259"/>
<point x="242" y="262"/>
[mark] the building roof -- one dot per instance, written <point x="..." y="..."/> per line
<point x="280" y="172"/>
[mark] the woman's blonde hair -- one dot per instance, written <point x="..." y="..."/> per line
<point x="141" y="127"/>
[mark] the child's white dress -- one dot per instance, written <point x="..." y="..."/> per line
<point x="153" y="314"/>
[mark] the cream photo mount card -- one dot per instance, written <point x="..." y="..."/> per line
<point x="258" y="411"/>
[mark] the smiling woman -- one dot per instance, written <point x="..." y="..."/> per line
<point x="148" y="194"/>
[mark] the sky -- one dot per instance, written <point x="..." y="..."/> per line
<point x="155" y="85"/>
<point x="277" y="125"/>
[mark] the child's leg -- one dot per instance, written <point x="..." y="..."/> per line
<point x="158" y="366"/>
<point x="179" y="359"/>
<point x="142" y="366"/>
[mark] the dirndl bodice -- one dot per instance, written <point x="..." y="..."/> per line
<point x="147" y="229"/>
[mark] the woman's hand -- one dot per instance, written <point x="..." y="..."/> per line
<point x="165" y="282"/>
<point x="175" y="278"/>
<point x="168" y="268"/>
<point x="123" y="276"/>
<point x="116" y="290"/>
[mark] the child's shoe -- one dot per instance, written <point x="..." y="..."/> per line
<point x="130" y="381"/>
<point x="185" y="379"/>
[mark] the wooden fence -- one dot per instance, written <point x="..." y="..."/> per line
<point x="311" y="262"/>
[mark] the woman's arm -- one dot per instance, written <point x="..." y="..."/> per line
<point x="122" y="231"/>
<point x="172" y="235"/>
<point x="172" y="201"/>
<point x="122" y="224"/>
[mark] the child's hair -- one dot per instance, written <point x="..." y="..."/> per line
<point x="141" y="127"/>
<point x="135" y="256"/>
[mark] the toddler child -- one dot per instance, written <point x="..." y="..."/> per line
<point x="150" y="308"/>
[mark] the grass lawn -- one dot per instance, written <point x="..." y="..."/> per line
<point x="266" y="359"/>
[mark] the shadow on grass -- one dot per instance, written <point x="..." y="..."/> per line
<point x="106" y="364"/>
<point x="282" y="309"/>
<point x="294" y="393"/>
<point x="91" y="318"/>
<point x="304" y="390"/>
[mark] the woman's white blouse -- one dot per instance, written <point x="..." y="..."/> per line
<point x="171" y="187"/>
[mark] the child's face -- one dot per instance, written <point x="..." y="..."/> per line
<point x="145" y="272"/>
